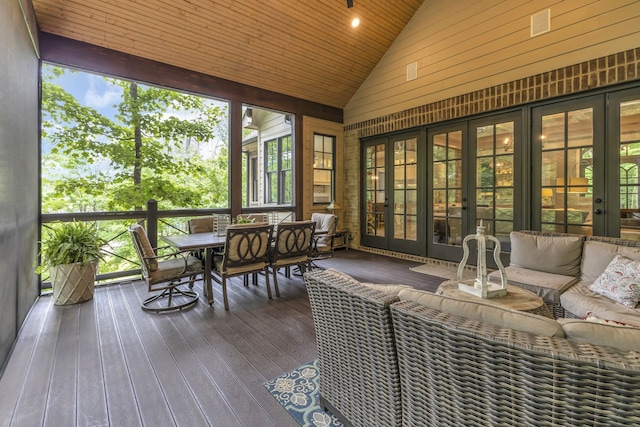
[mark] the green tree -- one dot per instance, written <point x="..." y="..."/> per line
<point x="145" y="151"/>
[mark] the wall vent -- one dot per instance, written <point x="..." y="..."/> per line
<point x="412" y="71"/>
<point x="540" y="22"/>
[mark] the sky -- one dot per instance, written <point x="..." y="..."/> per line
<point x="90" y="89"/>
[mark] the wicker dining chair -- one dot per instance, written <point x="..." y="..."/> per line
<point x="292" y="247"/>
<point x="246" y="251"/>
<point x="165" y="273"/>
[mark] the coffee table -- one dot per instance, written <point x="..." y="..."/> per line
<point x="516" y="298"/>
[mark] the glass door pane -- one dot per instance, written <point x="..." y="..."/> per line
<point x="566" y="185"/>
<point x="495" y="179"/>
<point x="447" y="188"/>
<point x="375" y="196"/>
<point x="405" y="198"/>
<point x="629" y="139"/>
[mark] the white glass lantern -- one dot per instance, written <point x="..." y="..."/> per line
<point x="480" y="286"/>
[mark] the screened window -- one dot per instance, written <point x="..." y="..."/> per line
<point x="267" y="145"/>
<point x="279" y="177"/>
<point x="111" y="145"/>
<point x="323" y="168"/>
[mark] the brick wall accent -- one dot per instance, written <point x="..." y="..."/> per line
<point x="612" y="69"/>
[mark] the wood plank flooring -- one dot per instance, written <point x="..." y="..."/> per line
<point x="106" y="362"/>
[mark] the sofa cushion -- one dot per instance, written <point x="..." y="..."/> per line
<point x="620" y="281"/>
<point x="600" y="334"/>
<point x="516" y="320"/>
<point x="579" y="300"/>
<point x="553" y="254"/>
<point x="596" y="257"/>
<point x="547" y="286"/>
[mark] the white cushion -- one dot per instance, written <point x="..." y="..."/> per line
<point x="504" y="318"/>
<point x="553" y="254"/>
<point x="547" y="286"/>
<point x="601" y="334"/>
<point x="620" y="281"/>
<point x="579" y="300"/>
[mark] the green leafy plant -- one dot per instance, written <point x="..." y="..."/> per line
<point x="69" y="243"/>
<point x="244" y="220"/>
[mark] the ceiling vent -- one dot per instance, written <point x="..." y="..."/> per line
<point x="412" y="71"/>
<point x="540" y="22"/>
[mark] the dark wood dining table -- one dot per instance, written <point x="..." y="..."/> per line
<point x="191" y="242"/>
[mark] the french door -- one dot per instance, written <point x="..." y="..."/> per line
<point x="391" y="192"/>
<point x="569" y="174"/>
<point x="623" y="185"/>
<point x="474" y="176"/>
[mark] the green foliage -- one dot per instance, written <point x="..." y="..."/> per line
<point x="71" y="242"/>
<point x="149" y="149"/>
<point x="244" y="220"/>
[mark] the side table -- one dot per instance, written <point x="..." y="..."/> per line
<point x="516" y="298"/>
<point x="341" y="239"/>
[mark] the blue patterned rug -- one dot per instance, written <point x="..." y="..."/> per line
<point x="297" y="392"/>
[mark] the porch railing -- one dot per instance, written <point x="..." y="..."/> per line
<point x="121" y="261"/>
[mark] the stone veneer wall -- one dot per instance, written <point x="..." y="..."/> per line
<point x="596" y="73"/>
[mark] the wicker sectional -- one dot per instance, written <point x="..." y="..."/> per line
<point x="387" y="362"/>
<point x="559" y="268"/>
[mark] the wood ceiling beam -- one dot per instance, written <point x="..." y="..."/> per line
<point x="72" y="53"/>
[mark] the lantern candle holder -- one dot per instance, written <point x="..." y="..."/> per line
<point x="480" y="286"/>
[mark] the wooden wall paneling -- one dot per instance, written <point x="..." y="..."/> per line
<point x="462" y="58"/>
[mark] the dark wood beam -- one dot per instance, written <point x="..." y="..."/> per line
<point x="76" y="54"/>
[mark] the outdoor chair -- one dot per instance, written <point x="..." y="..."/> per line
<point x="165" y="273"/>
<point x="322" y="245"/>
<point x="246" y="251"/>
<point x="292" y="247"/>
<point x="201" y="225"/>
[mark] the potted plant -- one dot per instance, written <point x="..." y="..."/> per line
<point x="71" y="253"/>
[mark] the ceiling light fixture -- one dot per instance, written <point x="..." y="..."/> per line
<point x="349" y="4"/>
<point x="355" y="22"/>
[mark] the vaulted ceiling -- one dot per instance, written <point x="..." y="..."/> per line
<point x="301" y="48"/>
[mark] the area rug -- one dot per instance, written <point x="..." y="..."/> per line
<point x="297" y="391"/>
<point x="442" y="270"/>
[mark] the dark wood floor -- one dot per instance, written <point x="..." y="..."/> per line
<point x="107" y="362"/>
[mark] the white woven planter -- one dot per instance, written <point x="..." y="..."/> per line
<point x="73" y="283"/>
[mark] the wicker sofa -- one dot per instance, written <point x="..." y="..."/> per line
<point x="392" y="356"/>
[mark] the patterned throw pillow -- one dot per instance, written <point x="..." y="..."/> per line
<point x="620" y="281"/>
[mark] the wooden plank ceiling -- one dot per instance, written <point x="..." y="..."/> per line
<point x="302" y="48"/>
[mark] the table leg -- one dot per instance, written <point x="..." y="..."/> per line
<point x="207" y="275"/>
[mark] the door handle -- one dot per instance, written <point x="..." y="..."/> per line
<point x="597" y="211"/>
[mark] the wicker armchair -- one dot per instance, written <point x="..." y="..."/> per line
<point x="359" y="378"/>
